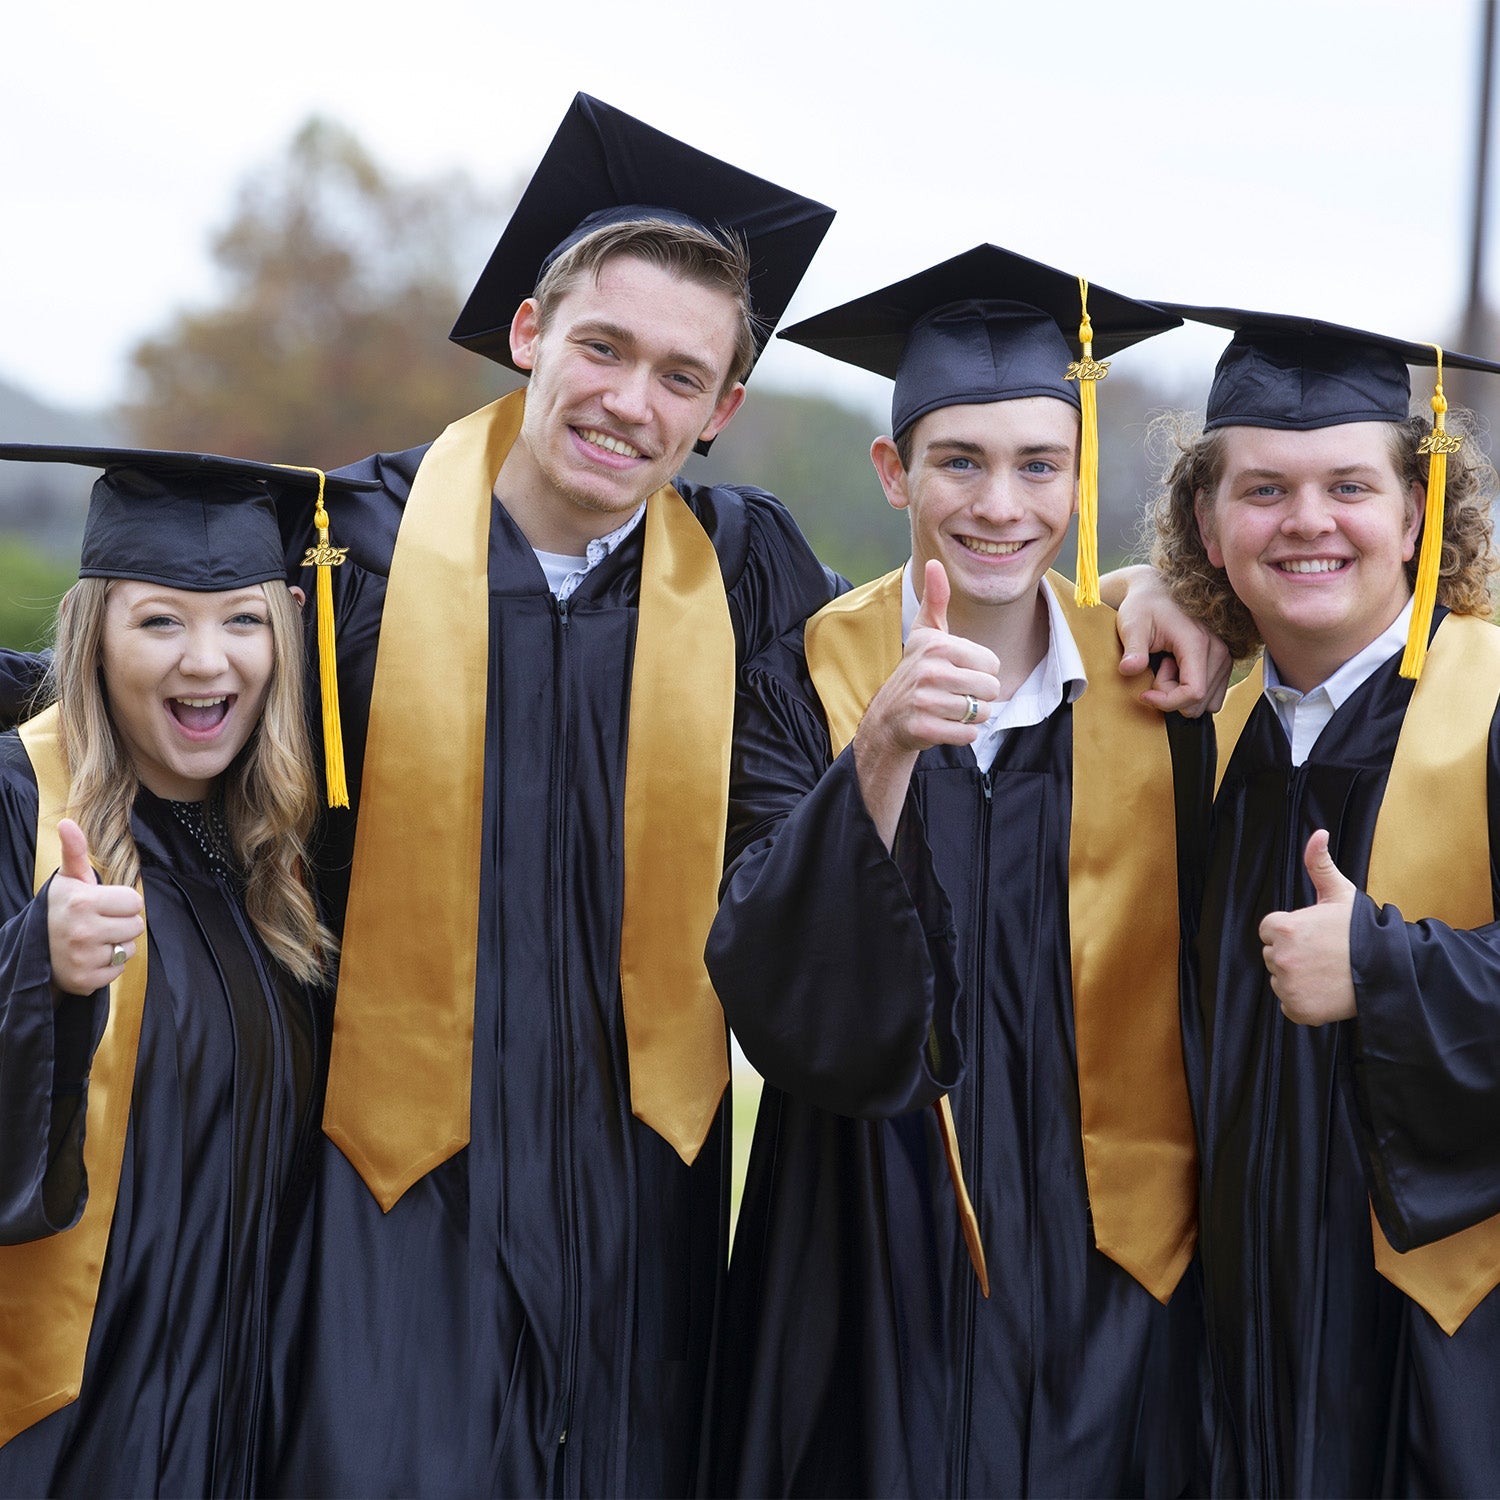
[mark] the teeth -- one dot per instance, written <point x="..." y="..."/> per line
<point x="609" y="444"/>
<point x="1313" y="565"/>
<point x="202" y="702"/>
<point x="992" y="549"/>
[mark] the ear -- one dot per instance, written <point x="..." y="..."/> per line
<point x="1416" y="507"/>
<point x="888" y="466"/>
<point x="726" y="406"/>
<point x="525" y="329"/>
<point x="297" y="594"/>
<point x="1208" y="533"/>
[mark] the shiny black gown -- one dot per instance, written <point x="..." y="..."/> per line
<point x="1329" y="1380"/>
<point x="858" y="1356"/>
<point x="183" y="1365"/>
<point x="534" y="1316"/>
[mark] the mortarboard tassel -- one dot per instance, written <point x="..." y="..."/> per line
<point x="1437" y="445"/>
<point x="1086" y="371"/>
<point x="325" y="557"/>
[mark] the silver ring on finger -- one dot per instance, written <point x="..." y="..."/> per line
<point x="117" y="956"/>
<point x="971" y="709"/>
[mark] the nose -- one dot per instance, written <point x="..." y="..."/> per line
<point x="1308" y="514"/>
<point x="627" y="397"/>
<point x="203" y="654"/>
<point x="1000" y="500"/>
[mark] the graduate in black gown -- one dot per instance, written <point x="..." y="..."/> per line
<point x="143" y="1259"/>
<point x="899" y="922"/>
<point x="527" y="1306"/>
<point x="1350" y="1042"/>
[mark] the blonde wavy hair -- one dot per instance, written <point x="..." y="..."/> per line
<point x="1191" y="463"/>
<point x="270" y="796"/>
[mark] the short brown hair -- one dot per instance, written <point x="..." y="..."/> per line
<point x="1192" y="464"/>
<point x="679" y="249"/>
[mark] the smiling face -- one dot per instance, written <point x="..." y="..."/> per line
<point x="990" y="490"/>
<point x="185" y="676"/>
<point x="630" y="371"/>
<point x="1313" y="530"/>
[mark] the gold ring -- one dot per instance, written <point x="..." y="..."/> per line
<point x="971" y="709"/>
<point x="117" y="956"/>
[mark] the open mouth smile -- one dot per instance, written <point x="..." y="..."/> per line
<point x="200" y="717"/>
<point x="990" y="549"/>
<point x="617" y="446"/>
<point x="1306" y="565"/>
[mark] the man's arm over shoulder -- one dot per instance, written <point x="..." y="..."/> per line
<point x="771" y="575"/>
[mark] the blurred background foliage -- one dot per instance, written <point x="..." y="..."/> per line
<point x="339" y="281"/>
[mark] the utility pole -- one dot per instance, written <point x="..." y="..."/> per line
<point x="1476" y="319"/>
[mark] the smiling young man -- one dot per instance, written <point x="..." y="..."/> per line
<point x="1349" y="1044"/>
<point x="955" y="869"/>
<point x="522" y="1232"/>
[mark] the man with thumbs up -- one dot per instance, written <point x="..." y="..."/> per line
<point x="1345" y="1000"/>
<point x="949" y="941"/>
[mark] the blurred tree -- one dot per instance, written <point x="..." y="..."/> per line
<point x="30" y="586"/>
<point x="814" y="454"/>
<point x="331" y="341"/>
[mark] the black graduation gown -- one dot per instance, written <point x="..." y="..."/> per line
<point x="533" y="1316"/>
<point x="182" y="1363"/>
<point x="858" y="1356"/>
<point x="1329" y="1380"/>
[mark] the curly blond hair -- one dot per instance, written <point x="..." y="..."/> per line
<point x="270" y="796"/>
<point x="1191" y="463"/>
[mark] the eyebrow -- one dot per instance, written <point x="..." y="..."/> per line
<point x="1032" y="450"/>
<point x="616" y="334"/>
<point x="1344" y="471"/>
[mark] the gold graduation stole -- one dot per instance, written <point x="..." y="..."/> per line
<point x="1430" y="858"/>
<point x="50" y="1287"/>
<point x="401" y="1067"/>
<point x="1140" y="1157"/>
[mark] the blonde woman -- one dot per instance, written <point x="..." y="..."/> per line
<point x="161" y="1025"/>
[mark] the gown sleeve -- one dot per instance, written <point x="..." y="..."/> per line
<point x="1427" y="1061"/>
<point x="834" y="959"/>
<point x="44" y="1048"/>
<point x="21" y="674"/>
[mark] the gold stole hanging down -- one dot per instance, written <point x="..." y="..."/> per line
<point x="1138" y="1144"/>
<point x="50" y="1287"/>
<point x="1431" y="859"/>
<point x="398" y="1089"/>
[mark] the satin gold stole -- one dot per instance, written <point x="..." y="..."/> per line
<point x="1431" y="859"/>
<point x="49" y="1287"/>
<point x="1140" y="1157"/>
<point x="401" y="1067"/>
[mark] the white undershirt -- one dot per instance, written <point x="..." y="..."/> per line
<point x="1058" y="675"/>
<point x="1304" y="716"/>
<point x="564" y="572"/>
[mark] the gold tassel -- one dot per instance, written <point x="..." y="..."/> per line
<point x="1437" y="445"/>
<point x="325" y="557"/>
<point x="1086" y="371"/>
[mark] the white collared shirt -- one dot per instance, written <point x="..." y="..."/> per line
<point x="1304" y="716"/>
<point x="564" y="572"/>
<point x="1057" y="677"/>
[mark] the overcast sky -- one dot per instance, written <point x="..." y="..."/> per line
<point x="1305" y="156"/>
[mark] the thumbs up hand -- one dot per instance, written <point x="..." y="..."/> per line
<point x="1307" y="951"/>
<point x="940" y="694"/>
<point x="943" y="689"/>
<point x="91" y="928"/>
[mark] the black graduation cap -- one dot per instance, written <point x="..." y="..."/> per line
<point x="1298" y="373"/>
<point x="606" y="167"/>
<point x="191" y="521"/>
<point x="987" y="325"/>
